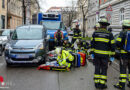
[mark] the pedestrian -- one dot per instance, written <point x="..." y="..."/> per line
<point x="58" y="36"/>
<point x="103" y="48"/>
<point x="76" y="35"/>
<point x="122" y="42"/>
<point x="65" y="58"/>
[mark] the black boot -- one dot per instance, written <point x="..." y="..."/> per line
<point x="97" y="85"/>
<point x="103" y="86"/>
<point x="119" y="87"/>
<point x="128" y="85"/>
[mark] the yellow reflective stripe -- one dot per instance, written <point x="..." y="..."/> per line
<point x="96" y="81"/>
<point x="102" y="40"/>
<point x="101" y="52"/>
<point x="119" y="39"/>
<point x="123" y="75"/>
<point x="102" y="81"/>
<point x="92" y="49"/>
<point x="91" y="38"/>
<point x="128" y="75"/>
<point x="97" y="76"/>
<point x="122" y="80"/>
<point x="123" y="51"/>
<point x="103" y="77"/>
<point x="112" y="41"/>
<point x="112" y="53"/>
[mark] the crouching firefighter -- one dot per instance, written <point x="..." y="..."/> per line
<point x="58" y="36"/>
<point x="66" y="45"/>
<point x="64" y="58"/>
<point x="103" y="48"/>
<point x="123" y="42"/>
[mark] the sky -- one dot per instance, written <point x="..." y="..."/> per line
<point x="46" y="4"/>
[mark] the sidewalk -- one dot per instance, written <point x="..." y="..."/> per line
<point x="82" y="78"/>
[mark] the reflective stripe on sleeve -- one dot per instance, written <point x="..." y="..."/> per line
<point x="119" y="39"/>
<point x="102" y="40"/>
<point x="112" y="41"/>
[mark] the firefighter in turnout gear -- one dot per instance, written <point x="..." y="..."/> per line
<point x="125" y="56"/>
<point x="66" y="45"/>
<point x="82" y="45"/>
<point x="102" y="48"/>
<point x="58" y="36"/>
<point x="76" y="35"/>
<point x="64" y="57"/>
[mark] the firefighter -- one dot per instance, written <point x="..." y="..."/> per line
<point x="65" y="58"/>
<point x="82" y="45"/>
<point x="76" y="35"/>
<point x="103" y="48"/>
<point x="58" y="36"/>
<point x="66" y="45"/>
<point x="97" y="26"/>
<point x="125" y="56"/>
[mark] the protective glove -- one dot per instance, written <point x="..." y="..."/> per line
<point x="92" y="55"/>
<point x="112" y="59"/>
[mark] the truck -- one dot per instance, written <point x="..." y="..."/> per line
<point x="52" y="22"/>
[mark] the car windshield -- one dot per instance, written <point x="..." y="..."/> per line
<point x="6" y="33"/>
<point x="51" y="25"/>
<point x="27" y="33"/>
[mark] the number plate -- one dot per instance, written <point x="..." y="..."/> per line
<point x="22" y="56"/>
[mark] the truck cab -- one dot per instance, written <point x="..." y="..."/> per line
<point x="52" y="22"/>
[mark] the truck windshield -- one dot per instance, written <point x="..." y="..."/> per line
<point x="51" y="25"/>
<point x="27" y="33"/>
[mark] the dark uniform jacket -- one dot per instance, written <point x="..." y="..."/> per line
<point x="67" y="45"/>
<point x="103" y="43"/>
<point x="120" y="42"/>
<point x="77" y="33"/>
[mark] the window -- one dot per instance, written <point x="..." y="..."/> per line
<point x="3" y="21"/>
<point x="3" y="3"/>
<point x="122" y="15"/>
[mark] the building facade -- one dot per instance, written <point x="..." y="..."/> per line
<point x="14" y="14"/>
<point x="93" y="15"/>
<point x="115" y="10"/>
<point x="3" y="14"/>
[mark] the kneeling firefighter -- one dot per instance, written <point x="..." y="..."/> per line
<point x="82" y="45"/>
<point x="66" y="45"/>
<point x="65" y="58"/>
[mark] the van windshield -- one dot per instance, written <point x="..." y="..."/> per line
<point x="27" y="33"/>
<point x="51" y="25"/>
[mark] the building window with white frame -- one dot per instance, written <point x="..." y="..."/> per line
<point x="122" y="15"/>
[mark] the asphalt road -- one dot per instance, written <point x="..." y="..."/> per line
<point x="29" y="78"/>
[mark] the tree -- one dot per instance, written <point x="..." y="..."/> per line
<point x="84" y="6"/>
<point x="26" y="3"/>
<point x="69" y="14"/>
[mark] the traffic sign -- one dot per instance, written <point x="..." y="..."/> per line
<point x="109" y="8"/>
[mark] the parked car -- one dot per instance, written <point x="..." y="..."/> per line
<point x="4" y="38"/>
<point x="28" y="45"/>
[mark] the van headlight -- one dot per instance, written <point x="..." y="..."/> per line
<point x="8" y="47"/>
<point x="40" y="46"/>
